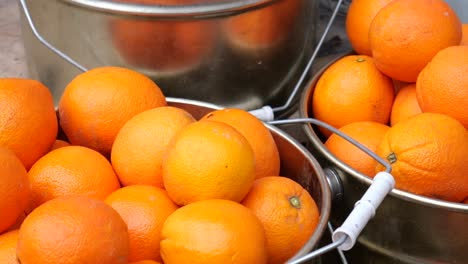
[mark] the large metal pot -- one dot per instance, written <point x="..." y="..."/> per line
<point x="407" y="228"/>
<point x="243" y="53"/>
<point x="296" y="163"/>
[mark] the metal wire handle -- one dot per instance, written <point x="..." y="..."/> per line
<point x="388" y="167"/>
<point x="36" y="33"/>
<point x="311" y="60"/>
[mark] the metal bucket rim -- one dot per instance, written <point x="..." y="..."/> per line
<point x="312" y="136"/>
<point x="174" y="11"/>
<point x="325" y="190"/>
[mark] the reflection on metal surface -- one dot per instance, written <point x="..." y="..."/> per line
<point x="188" y="58"/>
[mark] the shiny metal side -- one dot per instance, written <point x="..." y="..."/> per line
<point x="198" y="58"/>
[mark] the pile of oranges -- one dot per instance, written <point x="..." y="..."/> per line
<point x="116" y="175"/>
<point x="404" y="95"/>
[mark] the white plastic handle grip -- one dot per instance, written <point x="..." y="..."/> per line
<point x="364" y="210"/>
<point x="265" y="113"/>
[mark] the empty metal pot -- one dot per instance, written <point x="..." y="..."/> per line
<point x="407" y="228"/>
<point x="243" y="53"/>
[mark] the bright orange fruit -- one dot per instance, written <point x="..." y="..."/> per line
<point x="358" y="19"/>
<point x="144" y="209"/>
<point x="208" y="160"/>
<point x="97" y="103"/>
<point x="72" y="170"/>
<point x="352" y="89"/>
<point x="369" y="134"/>
<point x="405" y="104"/>
<point x="429" y="156"/>
<point x="406" y="34"/>
<point x="14" y="188"/>
<point x="28" y="123"/>
<point x="212" y="232"/>
<point x="8" y="243"/>
<point x="73" y="229"/>
<point x="288" y="213"/>
<point x="138" y="149"/>
<point x="267" y="159"/>
<point x="442" y="86"/>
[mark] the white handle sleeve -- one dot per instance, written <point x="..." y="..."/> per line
<point x="364" y="210"/>
<point x="265" y="113"/>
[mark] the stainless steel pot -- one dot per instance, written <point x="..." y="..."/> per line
<point x="407" y="228"/>
<point x="296" y="163"/>
<point x="242" y="53"/>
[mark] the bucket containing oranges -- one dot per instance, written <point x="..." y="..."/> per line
<point x="125" y="174"/>
<point x="407" y="102"/>
<point x="234" y="53"/>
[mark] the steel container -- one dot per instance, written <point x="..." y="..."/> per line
<point x="407" y="228"/>
<point x="242" y="53"/>
<point x="296" y="163"/>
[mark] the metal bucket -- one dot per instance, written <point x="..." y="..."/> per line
<point x="296" y="163"/>
<point x="407" y="228"/>
<point x="233" y="53"/>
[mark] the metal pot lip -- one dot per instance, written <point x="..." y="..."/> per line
<point x="175" y="11"/>
<point x="304" y="105"/>
<point x="325" y="190"/>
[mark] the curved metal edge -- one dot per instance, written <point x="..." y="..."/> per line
<point x="193" y="102"/>
<point x="175" y="11"/>
<point x="324" y="188"/>
<point x="304" y="110"/>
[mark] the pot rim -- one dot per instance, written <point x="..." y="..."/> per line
<point x="304" y="110"/>
<point x="176" y="11"/>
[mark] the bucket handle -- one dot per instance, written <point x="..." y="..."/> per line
<point x="51" y="47"/>
<point x="346" y="235"/>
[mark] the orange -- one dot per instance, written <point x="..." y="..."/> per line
<point x="72" y="170"/>
<point x="264" y="28"/>
<point x="351" y="90"/>
<point x="28" y="123"/>
<point x="466" y="201"/>
<point x="8" y="243"/>
<point x="144" y="209"/>
<point x="14" y="188"/>
<point x="429" y="156"/>
<point x="208" y="160"/>
<point x="369" y="134"/>
<point x="145" y="262"/>
<point x="267" y="159"/>
<point x="442" y="86"/>
<point x="97" y="103"/>
<point x="138" y="149"/>
<point x="18" y="222"/>
<point x="288" y="213"/>
<point x="58" y="143"/>
<point x="464" y="40"/>
<point x="405" y="104"/>
<point x="211" y="232"/>
<point x="163" y="45"/>
<point x="69" y="230"/>
<point x="406" y="34"/>
<point x="358" y="19"/>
